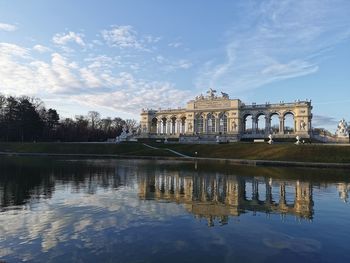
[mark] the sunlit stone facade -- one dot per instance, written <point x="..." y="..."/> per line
<point x="219" y="117"/>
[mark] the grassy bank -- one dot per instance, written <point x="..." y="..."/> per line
<point x="258" y="151"/>
<point x="262" y="151"/>
<point x="130" y="149"/>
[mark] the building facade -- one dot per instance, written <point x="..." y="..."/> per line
<point x="213" y="116"/>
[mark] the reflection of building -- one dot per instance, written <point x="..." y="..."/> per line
<point x="206" y="117"/>
<point x="343" y="189"/>
<point x="217" y="197"/>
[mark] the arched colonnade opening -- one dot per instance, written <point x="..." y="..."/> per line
<point x="262" y="123"/>
<point x="168" y="125"/>
<point x="211" y="123"/>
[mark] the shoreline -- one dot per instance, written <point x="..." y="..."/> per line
<point x="250" y="162"/>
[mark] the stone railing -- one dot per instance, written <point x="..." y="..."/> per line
<point x="269" y="105"/>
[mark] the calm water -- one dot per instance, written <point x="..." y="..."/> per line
<point x="57" y="210"/>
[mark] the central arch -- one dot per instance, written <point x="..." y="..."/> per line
<point x="198" y="123"/>
<point x="223" y="122"/>
<point x="211" y="123"/>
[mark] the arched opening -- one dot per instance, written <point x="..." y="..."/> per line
<point x="289" y="123"/>
<point x="173" y="125"/>
<point x="248" y="124"/>
<point x="198" y="122"/>
<point x="211" y="123"/>
<point x="163" y="125"/>
<point x="183" y="123"/>
<point x="223" y="122"/>
<point x="154" y="125"/>
<point x="274" y="123"/>
<point x="260" y="123"/>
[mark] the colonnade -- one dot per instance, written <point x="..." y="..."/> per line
<point x="169" y="126"/>
<point x="298" y="124"/>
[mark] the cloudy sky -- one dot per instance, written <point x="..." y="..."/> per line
<point x="117" y="57"/>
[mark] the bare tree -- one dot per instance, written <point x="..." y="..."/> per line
<point x="94" y="118"/>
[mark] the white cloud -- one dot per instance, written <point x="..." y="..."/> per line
<point x="169" y="65"/>
<point x="132" y="94"/>
<point x="279" y="40"/>
<point x="122" y="37"/>
<point x="94" y="83"/>
<point x="7" y="27"/>
<point x="175" y="44"/>
<point x="64" y="38"/>
<point x="152" y="39"/>
<point x="8" y="49"/>
<point x="41" y="49"/>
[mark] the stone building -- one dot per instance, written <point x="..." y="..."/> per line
<point x="221" y="118"/>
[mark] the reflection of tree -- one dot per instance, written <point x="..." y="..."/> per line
<point x="25" y="179"/>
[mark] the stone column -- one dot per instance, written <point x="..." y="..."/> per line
<point x="204" y="124"/>
<point x="255" y="125"/>
<point x="161" y="127"/>
<point x="281" y="124"/>
<point x="169" y="126"/>
<point x="159" y="123"/>
<point x="267" y="125"/>
<point x="217" y="125"/>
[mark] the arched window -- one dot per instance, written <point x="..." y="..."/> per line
<point x="211" y="123"/>
<point x="223" y="122"/>
<point x="163" y="126"/>
<point x="154" y="125"/>
<point x="183" y="123"/>
<point x="199" y="123"/>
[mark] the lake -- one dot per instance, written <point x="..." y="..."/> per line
<point x="106" y="210"/>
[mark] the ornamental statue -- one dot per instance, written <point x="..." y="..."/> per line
<point x="342" y="129"/>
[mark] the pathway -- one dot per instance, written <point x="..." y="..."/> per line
<point x="170" y="150"/>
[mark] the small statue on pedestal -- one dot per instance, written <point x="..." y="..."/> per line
<point x="270" y="139"/>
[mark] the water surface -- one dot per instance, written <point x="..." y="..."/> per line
<point x="63" y="210"/>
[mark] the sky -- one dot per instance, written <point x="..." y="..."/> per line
<point x="117" y="57"/>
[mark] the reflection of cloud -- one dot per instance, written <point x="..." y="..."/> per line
<point x="298" y="245"/>
<point x="50" y="222"/>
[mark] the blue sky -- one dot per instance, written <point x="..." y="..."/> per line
<point x="117" y="57"/>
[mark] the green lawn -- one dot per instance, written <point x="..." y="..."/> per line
<point x="132" y="149"/>
<point x="253" y="151"/>
<point x="262" y="151"/>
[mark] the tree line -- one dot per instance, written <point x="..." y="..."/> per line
<point x="26" y="119"/>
